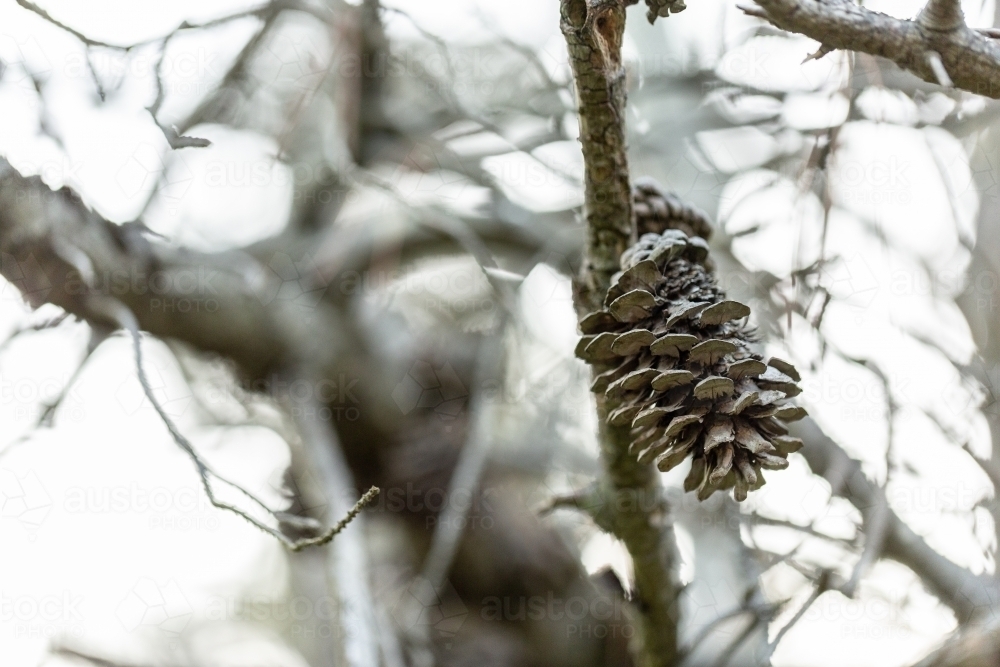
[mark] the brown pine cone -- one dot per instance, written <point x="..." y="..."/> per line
<point x="663" y="8"/>
<point x="657" y="210"/>
<point x="674" y="358"/>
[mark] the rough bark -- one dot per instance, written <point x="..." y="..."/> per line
<point x="632" y="504"/>
<point x="593" y="30"/>
<point x="937" y="37"/>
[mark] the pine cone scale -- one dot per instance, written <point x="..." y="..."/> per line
<point x="676" y="359"/>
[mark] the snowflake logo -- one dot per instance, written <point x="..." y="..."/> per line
<point x="297" y="59"/>
<point x="149" y="604"/>
<point x="423" y="177"/>
<point x="703" y="602"/>
<point x="23" y="61"/>
<point x="424" y="386"/>
<point x="24" y="498"/>
<point x="439" y="609"/>
<point x="851" y="280"/>
<point x="27" y="277"/>
<point x="142" y="172"/>
<point x="174" y="400"/>
<point x="299" y="282"/>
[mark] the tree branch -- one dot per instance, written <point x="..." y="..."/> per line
<point x="937" y="46"/>
<point x="114" y="310"/>
<point x="969" y="595"/>
<point x="347" y="560"/>
<point x="594" y="30"/>
<point x="633" y="505"/>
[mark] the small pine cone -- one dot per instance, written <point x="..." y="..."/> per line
<point x="663" y="8"/>
<point x="674" y="358"/>
<point x="657" y="211"/>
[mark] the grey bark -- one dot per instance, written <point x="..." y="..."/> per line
<point x="938" y="35"/>
<point x="633" y="507"/>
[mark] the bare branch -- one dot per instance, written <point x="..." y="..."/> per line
<point x="821" y="587"/>
<point x="32" y="7"/>
<point x="967" y="58"/>
<point x="876" y="526"/>
<point x="965" y="592"/>
<point x="346" y="560"/>
<point x="49" y="323"/>
<point x="117" y="312"/>
<point x="81" y="656"/>
<point x="763" y="612"/>
<point x="734" y="645"/>
<point x="97" y="336"/>
<point x="275" y="5"/>
<point x="758" y="520"/>
<point x="468" y="471"/>
<point x="594" y="30"/>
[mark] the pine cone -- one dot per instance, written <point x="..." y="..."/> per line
<point x="674" y="358"/>
<point x="656" y="211"/>
<point x="663" y="8"/>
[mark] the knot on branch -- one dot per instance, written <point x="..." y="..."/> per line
<point x="606" y="24"/>
<point x="609" y="28"/>
<point x="941" y="15"/>
<point x="598" y="26"/>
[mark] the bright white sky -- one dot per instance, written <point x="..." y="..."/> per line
<point x="129" y="575"/>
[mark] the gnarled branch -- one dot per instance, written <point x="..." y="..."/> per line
<point x="937" y="46"/>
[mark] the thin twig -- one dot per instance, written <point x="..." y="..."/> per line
<point x="934" y="60"/>
<point x="756" y="519"/>
<point x="49" y="323"/>
<point x="347" y="560"/>
<point x="821" y="587"/>
<point x="469" y="469"/>
<point x="734" y="645"/>
<point x="765" y="611"/>
<point x="120" y="314"/>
